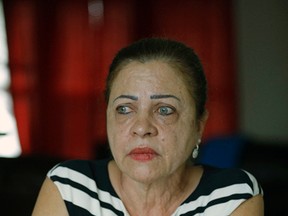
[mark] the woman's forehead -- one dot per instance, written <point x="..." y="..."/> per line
<point x="151" y="78"/>
<point x="154" y="69"/>
<point x="154" y="72"/>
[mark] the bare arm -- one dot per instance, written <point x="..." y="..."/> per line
<point x="49" y="201"/>
<point x="251" y="207"/>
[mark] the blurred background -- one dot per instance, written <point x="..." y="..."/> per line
<point x="55" y="55"/>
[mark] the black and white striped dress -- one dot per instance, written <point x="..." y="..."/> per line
<point x="86" y="189"/>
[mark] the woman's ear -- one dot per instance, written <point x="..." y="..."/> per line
<point x="202" y="122"/>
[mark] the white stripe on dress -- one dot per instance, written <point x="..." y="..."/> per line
<point x="87" y="182"/>
<point x="218" y="193"/>
<point x="256" y="187"/>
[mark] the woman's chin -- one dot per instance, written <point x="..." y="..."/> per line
<point x="145" y="173"/>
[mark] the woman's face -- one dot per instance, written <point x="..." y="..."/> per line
<point x="151" y="121"/>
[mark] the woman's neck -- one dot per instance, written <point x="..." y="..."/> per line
<point x="161" y="197"/>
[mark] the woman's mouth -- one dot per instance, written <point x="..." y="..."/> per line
<point x="142" y="154"/>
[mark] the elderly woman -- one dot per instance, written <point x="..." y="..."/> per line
<point x="156" y="94"/>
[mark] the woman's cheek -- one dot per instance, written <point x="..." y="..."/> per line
<point x="167" y="120"/>
<point x="121" y="119"/>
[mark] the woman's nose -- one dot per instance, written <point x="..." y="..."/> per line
<point x="143" y="126"/>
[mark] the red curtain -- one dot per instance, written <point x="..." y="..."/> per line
<point x="60" y="52"/>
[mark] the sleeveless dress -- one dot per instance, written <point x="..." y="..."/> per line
<point x="86" y="189"/>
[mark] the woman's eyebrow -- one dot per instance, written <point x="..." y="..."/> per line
<point x="163" y="96"/>
<point x="131" y="97"/>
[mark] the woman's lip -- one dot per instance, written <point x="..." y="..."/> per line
<point x="142" y="154"/>
<point x="142" y="150"/>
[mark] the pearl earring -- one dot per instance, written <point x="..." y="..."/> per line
<point x="196" y="150"/>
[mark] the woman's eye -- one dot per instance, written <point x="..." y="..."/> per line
<point x="165" y="110"/>
<point x="123" y="110"/>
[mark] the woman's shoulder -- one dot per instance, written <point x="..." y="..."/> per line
<point x="80" y="171"/>
<point x="220" y="191"/>
<point x="85" y="185"/>
<point x="231" y="179"/>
